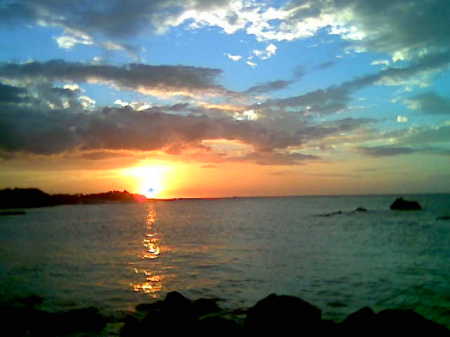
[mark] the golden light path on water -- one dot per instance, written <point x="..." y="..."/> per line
<point x="151" y="252"/>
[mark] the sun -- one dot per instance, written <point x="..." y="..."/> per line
<point x="150" y="180"/>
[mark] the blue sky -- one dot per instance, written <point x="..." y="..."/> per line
<point x="314" y="88"/>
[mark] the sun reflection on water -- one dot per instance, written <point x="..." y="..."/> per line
<point x="151" y="252"/>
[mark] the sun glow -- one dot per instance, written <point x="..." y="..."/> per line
<point x="150" y="180"/>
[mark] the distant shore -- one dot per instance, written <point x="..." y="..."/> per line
<point x="14" y="198"/>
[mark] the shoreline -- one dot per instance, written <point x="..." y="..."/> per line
<point x="203" y="316"/>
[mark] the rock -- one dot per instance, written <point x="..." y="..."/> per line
<point x="397" y="322"/>
<point x="149" y="307"/>
<point x="176" y="315"/>
<point x="131" y="328"/>
<point x="282" y="313"/>
<point x="356" y="324"/>
<point x="444" y="217"/>
<point x="12" y="213"/>
<point x="401" y="204"/>
<point x="217" y="325"/>
<point x="85" y="319"/>
<point x="205" y="306"/>
<point x="175" y="301"/>
<point x="331" y="214"/>
<point x="359" y="209"/>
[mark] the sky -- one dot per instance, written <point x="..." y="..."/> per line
<point x="211" y="98"/>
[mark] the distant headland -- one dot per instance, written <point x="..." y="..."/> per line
<point x="34" y="197"/>
<point x="12" y="198"/>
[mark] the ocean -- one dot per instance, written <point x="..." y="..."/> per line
<point x="240" y="250"/>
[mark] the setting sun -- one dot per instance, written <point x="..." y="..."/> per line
<point x="150" y="180"/>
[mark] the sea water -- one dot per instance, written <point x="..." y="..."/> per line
<point x="115" y="256"/>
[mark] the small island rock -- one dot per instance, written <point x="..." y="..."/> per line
<point x="401" y="204"/>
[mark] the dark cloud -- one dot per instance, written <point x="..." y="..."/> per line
<point x="11" y="94"/>
<point x="388" y="150"/>
<point x="430" y="103"/>
<point x="276" y="158"/>
<point x="268" y="87"/>
<point x="140" y="77"/>
<point x="385" y="151"/>
<point x="426" y="135"/>
<point x="410" y="27"/>
<point x="55" y="123"/>
<point x="325" y="65"/>
<point x="109" y="18"/>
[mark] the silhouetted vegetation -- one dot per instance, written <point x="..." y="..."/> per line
<point x="33" y="197"/>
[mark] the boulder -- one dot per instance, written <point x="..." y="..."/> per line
<point x="282" y="313"/>
<point x="396" y="322"/>
<point x="401" y="204"/>
<point x="205" y="306"/>
<point x="357" y="323"/>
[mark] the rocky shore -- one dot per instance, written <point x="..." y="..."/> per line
<point x="278" y="314"/>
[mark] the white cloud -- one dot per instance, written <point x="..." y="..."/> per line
<point x="251" y="64"/>
<point x="380" y="62"/>
<point x="233" y="57"/>
<point x="112" y="46"/>
<point x="138" y="106"/>
<point x="68" y="42"/>
<point x="402" y="119"/>
<point x="72" y="86"/>
<point x="87" y="102"/>
<point x="266" y="53"/>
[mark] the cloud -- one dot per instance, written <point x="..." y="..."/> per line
<point x="390" y="151"/>
<point x="46" y="120"/>
<point x="251" y="64"/>
<point x="268" y="87"/>
<point x="68" y="42"/>
<point x="381" y="62"/>
<point x="267" y="53"/>
<point x="11" y="94"/>
<point x="426" y="135"/>
<point x="386" y="151"/>
<point x="429" y="103"/>
<point x="401" y="119"/>
<point x="403" y="30"/>
<point x="147" y="79"/>
<point x="337" y="98"/>
<point x="326" y="65"/>
<point x="233" y="57"/>
<point x="275" y="158"/>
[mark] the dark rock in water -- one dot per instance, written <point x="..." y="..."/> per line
<point x="331" y="214"/>
<point x="360" y="209"/>
<point x="445" y="217"/>
<point x="282" y="313"/>
<point x="401" y="204"/>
